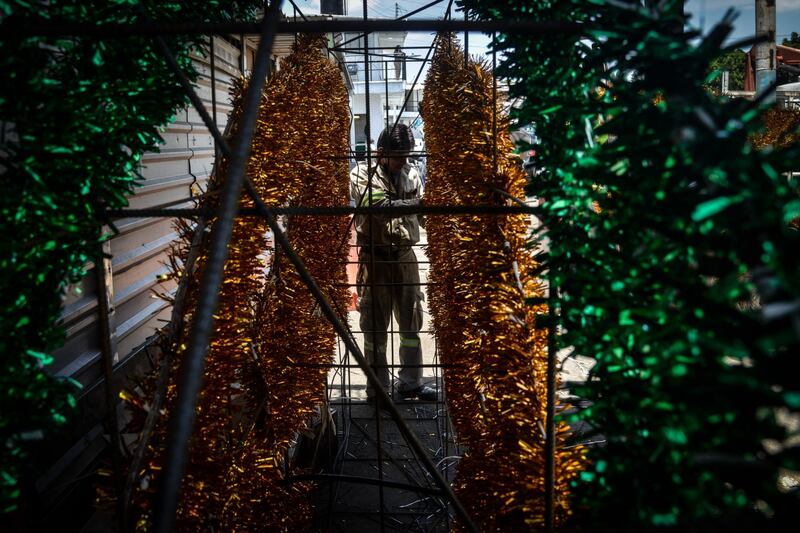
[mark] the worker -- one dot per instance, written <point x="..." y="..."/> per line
<point x="399" y="62"/>
<point x="388" y="274"/>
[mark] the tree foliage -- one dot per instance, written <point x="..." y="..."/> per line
<point x="793" y="40"/>
<point x="735" y="63"/>
<point x="77" y="115"/>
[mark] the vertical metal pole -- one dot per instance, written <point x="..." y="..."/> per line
<point x="183" y="414"/>
<point x="466" y="42"/>
<point x="108" y="349"/>
<point x="370" y="221"/>
<point x="494" y="104"/>
<point x="550" y="423"/>
<point x="214" y="93"/>
<point x="386" y="83"/>
<point x="390" y="339"/>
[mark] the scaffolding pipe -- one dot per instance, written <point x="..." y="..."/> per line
<point x="400" y="210"/>
<point x="370" y="222"/>
<point x="183" y="415"/>
<point x="550" y="421"/>
<point x="138" y="29"/>
<point x="283" y="242"/>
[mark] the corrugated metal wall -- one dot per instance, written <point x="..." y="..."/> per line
<point x="138" y="251"/>
<point x="138" y="257"/>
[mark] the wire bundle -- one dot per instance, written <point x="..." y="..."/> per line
<point x="494" y="353"/>
<point x="254" y="400"/>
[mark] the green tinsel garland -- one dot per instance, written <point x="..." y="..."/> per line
<point x="77" y="114"/>
<point x="684" y="284"/>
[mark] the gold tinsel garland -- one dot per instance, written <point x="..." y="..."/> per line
<point x="780" y="130"/>
<point x="495" y="356"/>
<point x="254" y="399"/>
<point x="297" y="157"/>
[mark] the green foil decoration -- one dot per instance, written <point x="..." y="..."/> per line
<point x="76" y="116"/>
<point x="675" y="250"/>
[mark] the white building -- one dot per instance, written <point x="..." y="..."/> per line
<point x="388" y="86"/>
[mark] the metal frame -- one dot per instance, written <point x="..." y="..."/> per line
<point x="182" y="419"/>
<point x="108" y="348"/>
<point x="114" y="31"/>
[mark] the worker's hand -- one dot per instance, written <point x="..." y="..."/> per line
<point x="405" y="203"/>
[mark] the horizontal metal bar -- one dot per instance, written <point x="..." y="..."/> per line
<point x="360" y="49"/>
<point x="410" y="152"/>
<point x="357" y="155"/>
<point x="418" y="284"/>
<point x="390" y="262"/>
<point x="341" y="478"/>
<point x="339" y="365"/>
<point x="334" y="211"/>
<point x="407" y="59"/>
<point x="418" y="245"/>
<point x="63" y="28"/>
<point x="429" y="331"/>
<point x="364" y="512"/>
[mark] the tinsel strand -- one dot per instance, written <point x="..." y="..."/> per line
<point x="480" y="268"/>
<point x="254" y="400"/>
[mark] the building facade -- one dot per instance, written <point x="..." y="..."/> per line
<point x="387" y="84"/>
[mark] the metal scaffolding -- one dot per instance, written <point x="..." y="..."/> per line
<point x="423" y="475"/>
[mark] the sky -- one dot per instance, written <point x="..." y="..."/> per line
<point x="707" y="12"/>
<point x="703" y="15"/>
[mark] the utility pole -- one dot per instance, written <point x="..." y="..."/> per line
<point x="765" y="52"/>
<point x="396" y="10"/>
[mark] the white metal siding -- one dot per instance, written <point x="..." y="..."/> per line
<point x="139" y="250"/>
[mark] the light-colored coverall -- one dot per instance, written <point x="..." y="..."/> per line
<point x="395" y="272"/>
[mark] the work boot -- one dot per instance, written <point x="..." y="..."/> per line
<point x="424" y="393"/>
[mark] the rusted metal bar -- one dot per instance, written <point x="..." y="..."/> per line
<point x="108" y="349"/>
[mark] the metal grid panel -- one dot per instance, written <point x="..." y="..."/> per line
<point x="172" y="159"/>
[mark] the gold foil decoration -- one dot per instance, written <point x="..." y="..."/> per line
<point x="780" y="128"/>
<point x="298" y="160"/>
<point x="494" y="352"/>
<point x="266" y="366"/>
